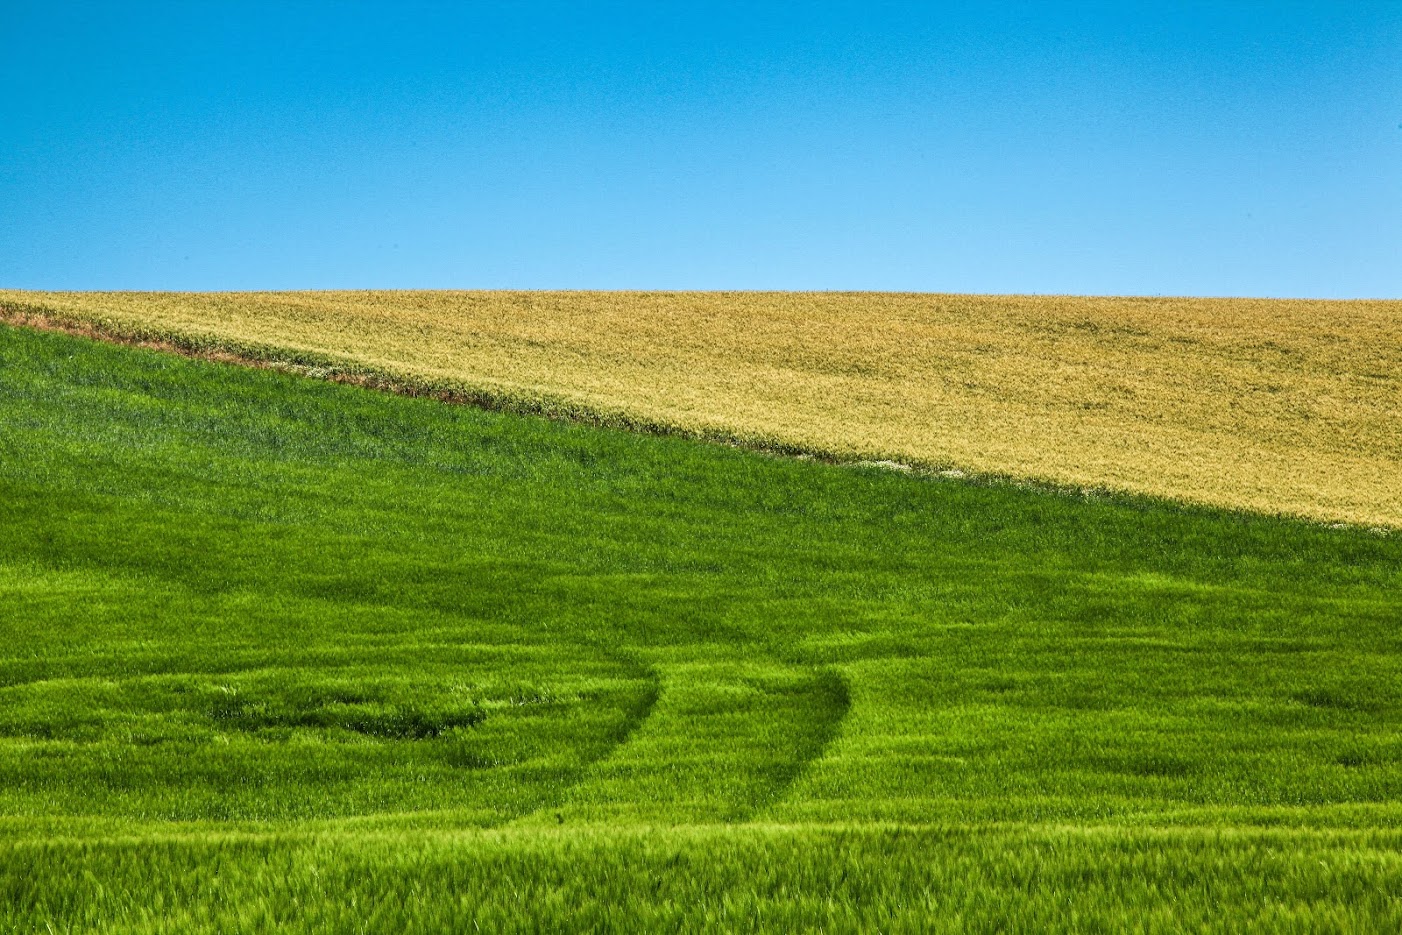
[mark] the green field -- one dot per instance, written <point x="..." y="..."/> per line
<point x="280" y="653"/>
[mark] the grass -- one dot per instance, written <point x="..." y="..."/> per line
<point x="280" y="653"/>
<point x="737" y="879"/>
<point x="1271" y="406"/>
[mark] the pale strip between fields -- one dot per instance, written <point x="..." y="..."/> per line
<point x="1264" y="405"/>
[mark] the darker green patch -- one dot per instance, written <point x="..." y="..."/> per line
<point x="394" y="723"/>
<point x="1150" y="765"/>
<point x="1340" y="699"/>
<point x="1357" y="759"/>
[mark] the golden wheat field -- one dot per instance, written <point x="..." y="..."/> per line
<point x="1266" y="405"/>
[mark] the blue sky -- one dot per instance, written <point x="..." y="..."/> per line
<point x="1174" y="148"/>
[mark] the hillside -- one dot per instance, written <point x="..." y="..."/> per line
<point x="1270" y="406"/>
<point x="281" y="653"/>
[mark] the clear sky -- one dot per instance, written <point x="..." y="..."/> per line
<point x="1210" y="148"/>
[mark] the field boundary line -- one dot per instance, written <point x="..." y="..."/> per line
<point x="349" y="372"/>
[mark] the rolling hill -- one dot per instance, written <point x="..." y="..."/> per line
<point x="284" y="653"/>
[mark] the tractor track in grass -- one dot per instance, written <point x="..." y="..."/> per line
<point x="724" y="742"/>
